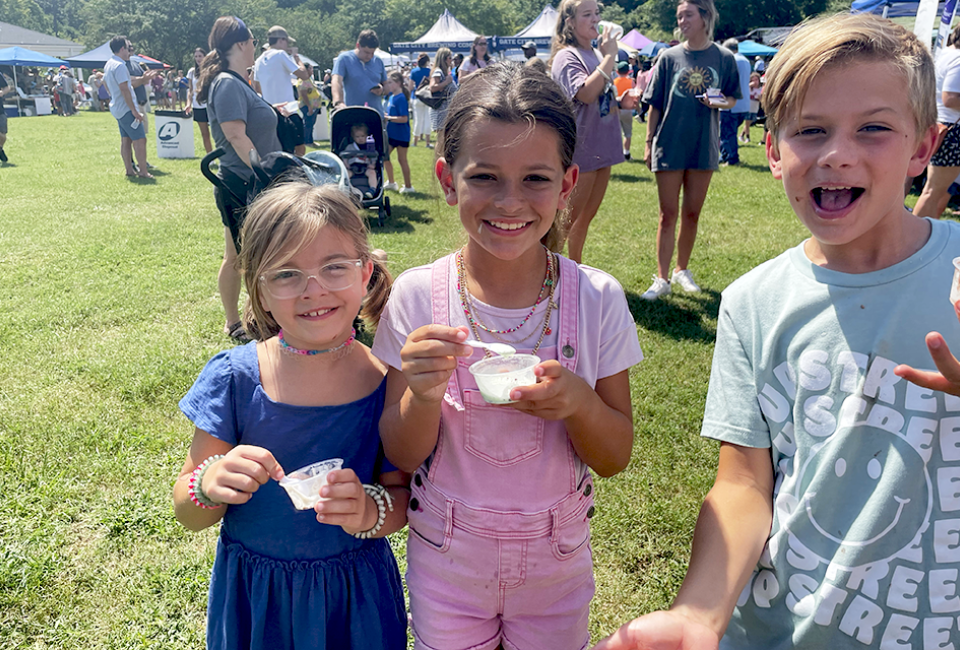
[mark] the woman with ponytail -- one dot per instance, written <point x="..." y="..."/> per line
<point x="241" y="122"/>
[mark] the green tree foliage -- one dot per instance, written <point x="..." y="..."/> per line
<point x="171" y="29"/>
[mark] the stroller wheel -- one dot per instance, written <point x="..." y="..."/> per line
<point x="386" y="205"/>
<point x="381" y="216"/>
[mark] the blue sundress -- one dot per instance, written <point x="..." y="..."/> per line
<point x="280" y="578"/>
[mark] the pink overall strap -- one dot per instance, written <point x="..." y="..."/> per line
<point x="440" y="304"/>
<point x="568" y="349"/>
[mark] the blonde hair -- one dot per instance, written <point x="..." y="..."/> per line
<point x="708" y="12"/>
<point x="845" y="39"/>
<point x="442" y="61"/>
<point x="563" y="34"/>
<point x="280" y="223"/>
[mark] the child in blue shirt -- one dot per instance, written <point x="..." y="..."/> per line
<point x="398" y="129"/>
<point x="833" y="521"/>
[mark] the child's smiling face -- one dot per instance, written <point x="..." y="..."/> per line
<point x="508" y="182"/>
<point x="844" y="157"/>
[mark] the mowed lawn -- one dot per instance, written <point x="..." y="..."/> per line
<point x="109" y="309"/>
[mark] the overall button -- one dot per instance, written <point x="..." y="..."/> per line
<point x="592" y="510"/>
<point x="588" y="490"/>
<point x="567" y="351"/>
<point x="415" y="505"/>
<point x="417" y="480"/>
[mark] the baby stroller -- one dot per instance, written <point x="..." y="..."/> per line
<point x="317" y="167"/>
<point x="341" y="123"/>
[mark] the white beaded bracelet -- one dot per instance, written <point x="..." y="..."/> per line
<point x="384" y="501"/>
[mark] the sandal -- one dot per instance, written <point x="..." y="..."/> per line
<point x="238" y="334"/>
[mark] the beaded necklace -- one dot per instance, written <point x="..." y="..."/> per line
<point x="546" y="289"/>
<point x="289" y="349"/>
<point x="549" y="284"/>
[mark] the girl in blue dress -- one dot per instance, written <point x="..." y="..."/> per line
<point x="304" y="391"/>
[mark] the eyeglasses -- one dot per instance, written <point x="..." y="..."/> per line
<point x="606" y="99"/>
<point x="256" y="42"/>
<point x="291" y="283"/>
<point x="482" y="43"/>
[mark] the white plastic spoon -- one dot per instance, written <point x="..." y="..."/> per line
<point x="502" y="349"/>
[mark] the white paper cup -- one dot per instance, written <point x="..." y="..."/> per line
<point x="303" y="485"/>
<point x="497" y="376"/>
<point x="955" y="287"/>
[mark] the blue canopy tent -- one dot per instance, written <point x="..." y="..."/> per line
<point x="889" y="8"/>
<point x="752" y="48"/>
<point x="97" y="58"/>
<point x="20" y="57"/>
<point x="652" y="49"/>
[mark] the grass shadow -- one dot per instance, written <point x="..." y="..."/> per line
<point x="682" y="316"/>
<point x="402" y="219"/>
<point x="629" y="178"/>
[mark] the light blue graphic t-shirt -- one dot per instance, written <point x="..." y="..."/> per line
<point x="864" y="550"/>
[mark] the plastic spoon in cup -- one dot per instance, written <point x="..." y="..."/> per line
<point x="502" y="349"/>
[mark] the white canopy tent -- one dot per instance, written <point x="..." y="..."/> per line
<point x="540" y="31"/>
<point x="446" y="32"/>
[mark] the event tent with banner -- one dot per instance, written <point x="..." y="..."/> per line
<point x="18" y="57"/>
<point x="540" y="31"/>
<point x="97" y="58"/>
<point x="446" y="32"/>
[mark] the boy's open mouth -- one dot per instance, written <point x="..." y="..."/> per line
<point x="835" y="198"/>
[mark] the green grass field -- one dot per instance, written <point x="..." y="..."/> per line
<point x="109" y="309"/>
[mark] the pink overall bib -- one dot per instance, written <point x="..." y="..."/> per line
<point x="499" y="543"/>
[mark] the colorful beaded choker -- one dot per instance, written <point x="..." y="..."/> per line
<point x="545" y="292"/>
<point x="286" y="347"/>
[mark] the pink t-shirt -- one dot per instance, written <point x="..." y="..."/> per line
<point x="607" y="333"/>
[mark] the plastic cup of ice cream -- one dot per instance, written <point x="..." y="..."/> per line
<point x="955" y="287"/>
<point x="303" y="485"/>
<point x="497" y="376"/>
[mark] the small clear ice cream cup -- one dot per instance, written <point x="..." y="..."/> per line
<point x="955" y="287"/>
<point x="497" y="376"/>
<point x="303" y="485"/>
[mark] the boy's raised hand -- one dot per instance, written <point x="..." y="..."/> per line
<point x="948" y="379"/>
<point x="661" y="631"/>
<point x="429" y="357"/>
<point x="343" y="502"/>
<point x="234" y="478"/>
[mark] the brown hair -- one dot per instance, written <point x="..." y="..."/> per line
<point x="513" y="93"/>
<point x="563" y="34"/>
<point x="441" y="61"/>
<point x="845" y="39"/>
<point x="473" y="51"/>
<point x="227" y="31"/>
<point x="397" y="77"/>
<point x="368" y="38"/>
<point x="284" y="219"/>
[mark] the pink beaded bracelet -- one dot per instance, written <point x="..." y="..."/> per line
<point x="195" y="485"/>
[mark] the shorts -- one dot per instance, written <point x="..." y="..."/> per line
<point x="948" y="154"/>
<point x="232" y="208"/>
<point x="750" y="117"/>
<point x="127" y="129"/>
<point x="397" y="143"/>
<point x="3" y="122"/>
<point x="200" y="115"/>
<point x="626" y="123"/>
<point x="536" y="595"/>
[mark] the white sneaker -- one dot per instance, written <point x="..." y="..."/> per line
<point x="390" y="186"/>
<point x="660" y="287"/>
<point x="685" y="280"/>
<point x="407" y="190"/>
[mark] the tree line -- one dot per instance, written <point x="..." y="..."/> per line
<point x="170" y="29"/>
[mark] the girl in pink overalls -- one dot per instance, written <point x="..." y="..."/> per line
<point x="499" y="543"/>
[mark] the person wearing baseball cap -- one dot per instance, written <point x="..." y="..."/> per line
<point x="529" y="49"/>
<point x="273" y="76"/>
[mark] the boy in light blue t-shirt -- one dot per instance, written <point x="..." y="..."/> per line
<point x="834" y="521"/>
